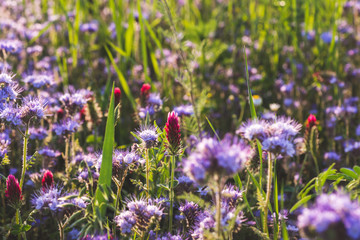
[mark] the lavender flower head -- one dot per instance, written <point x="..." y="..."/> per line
<point x="32" y="108"/>
<point x="213" y="158"/>
<point x="148" y="136"/>
<point x="333" y="216"/>
<point x="254" y="129"/>
<point x="139" y="216"/>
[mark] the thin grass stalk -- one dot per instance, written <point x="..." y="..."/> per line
<point x="218" y="208"/>
<point x="66" y="158"/>
<point x="172" y="165"/>
<point x="26" y="138"/>
<point x="147" y="173"/>
<point x="268" y="193"/>
<point x="183" y="59"/>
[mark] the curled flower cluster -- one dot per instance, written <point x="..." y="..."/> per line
<point x="333" y="216"/>
<point x="217" y="158"/>
<point x="277" y="136"/>
<point x="148" y="135"/>
<point x="139" y="216"/>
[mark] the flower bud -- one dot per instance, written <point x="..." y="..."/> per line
<point x="47" y="180"/>
<point x="13" y="191"/>
<point x="310" y="122"/>
<point x="173" y="135"/>
<point x="117" y="95"/>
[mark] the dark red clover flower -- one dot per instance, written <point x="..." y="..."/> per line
<point x="47" y="180"/>
<point x="117" y="95"/>
<point x="145" y="90"/>
<point x="173" y="135"/>
<point x="310" y="122"/>
<point x="13" y="191"/>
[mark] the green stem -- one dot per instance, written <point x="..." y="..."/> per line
<point x="147" y="172"/>
<point x="26" y="138"/>
<point x="67" y="156"/>
<point x="61" y="231"/>
<point x="171" y="192"/>
<point x="268" y="192"/>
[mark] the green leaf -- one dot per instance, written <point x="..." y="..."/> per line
<point x="357" y="169"/>
<point x="122" y="80"/>
<point x="106" y="164"/>
<point x="212" y="128"/>
<point x="252" y="106"/>
<point x="301" y="202"/>
<point x="349" y="173"/>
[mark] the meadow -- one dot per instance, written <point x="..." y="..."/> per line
<point x="180" y="119"/>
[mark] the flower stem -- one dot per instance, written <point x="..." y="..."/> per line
<point x="67" y="156"/>
<point x="268" y="192"/>
<point x="26" y="138"/>
<point x="218" y="208"/>
<point x="172" y="165"/>
<point x="147" y="172"/>
<point x="61" y="231"/>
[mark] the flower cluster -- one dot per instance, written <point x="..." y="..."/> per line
<point x="213" y="158"/>
<point x="333" y="216"/>
<point x="173" y="135"/>
<point x="277" y="136"/>
<point x="139" y="216"/>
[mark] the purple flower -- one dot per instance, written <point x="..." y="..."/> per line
<point x="184" y="110"/>
<point x="279" y="145"/>
<point x="10" y="114"/>
<point x="148" y="136"/>
<point x="91" y="27"/>
<point x="37" y="81"/>
<point x="332" y="156"/>
<point x="139" y="216"/>
<point x="11" y="46"/>
<point x="332" y="215"/>
<point x="254" y="129"/>
<point x="66" y="127"/>
<point x="38" y="133"/>
<point x="211" y="157"/>
<point x="32" y="108"/>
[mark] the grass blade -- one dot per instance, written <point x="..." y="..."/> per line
<point x="106" y="164"/>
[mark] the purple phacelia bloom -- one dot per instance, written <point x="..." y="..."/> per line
<point x="155" y="101"/>
<point x="9" y="92"/>
<point x="254" y="129"/>
<point x="214" y="158"/>
<point x="327" y="37"/>
<point x="38" y="133"/>
<point x="3" y="147"/>
<point x="10" y="115"/>
<point x="6" y="78"/>
<point x="49" y="152"/>
<point x="332" y="156"/>
<point x="32" y="108"/>
<point x="279" y="145"/>
<point x="66" y="127"/>
<point x="139" y="216"/>
<point x="90" y="27"/>
<point x="286" y="127"/>
<point x="38" y="81"/>
<point x="333" y="216"/>
<point x="11" y="46"/>
<point x="148" y="136"/>
<point x="184" y="110"/>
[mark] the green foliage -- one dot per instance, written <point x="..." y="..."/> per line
<point x="106" y="164"/>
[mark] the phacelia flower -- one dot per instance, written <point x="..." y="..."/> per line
<point x="279" y="145"/>
<point x="184" y="110"/>
<point x="47" y="180"/>
<point x="173" y="135"/>
<point x="38" y="81"/>
<point x="10" y="114"/>
<point x="213" y="158"/>
<point x="66" y="127"/>
<point x="333" y="216"/>
<point x="148" y="136"/>
<point x="254" y="129"/>
<point x="32" y="108"/>
<point x="139" y="216"/>
<point x="13" y="191"/>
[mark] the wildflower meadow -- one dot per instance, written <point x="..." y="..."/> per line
<point x="180" y="119"/>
